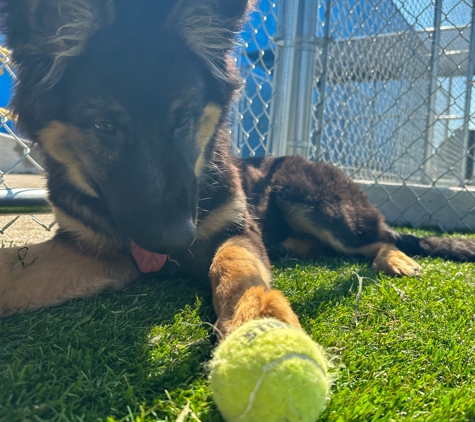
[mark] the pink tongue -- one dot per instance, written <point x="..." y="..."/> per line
<point x="148" y="262"/>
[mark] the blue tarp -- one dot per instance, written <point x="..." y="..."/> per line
<point x="5" y="83"/>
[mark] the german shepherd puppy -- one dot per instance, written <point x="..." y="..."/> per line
<point x="129" y="102"/>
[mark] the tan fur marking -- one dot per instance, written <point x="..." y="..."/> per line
<point x="241" y="288"/>
<point x="175" y="105"/>
<point x="299" y="221"/>
<point x="49" y="273"/>
<point x="233" y="261"/>
<point x="303" y="247"/>
<point x="369" y="251"/>
<point x="84" y="235"/>
<point x="255" y="173"/>
<point x="233" y="271"/>
<point x="231" y="212"/>
<point x="56" y="139"/>
<point x="208" y="121"/>
<point x="260" y="303"/>
<point x="392" y="261"/>
<point x="207" y="126"/>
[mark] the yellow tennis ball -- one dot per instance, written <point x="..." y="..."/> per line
<point x="268" y="371"/>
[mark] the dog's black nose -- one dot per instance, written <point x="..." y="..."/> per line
<point x="170" y="237"/>
<point x="177" y="236"/>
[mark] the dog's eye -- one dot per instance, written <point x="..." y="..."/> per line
<point x="182" y="121"/>
<point x="104" y="126"/>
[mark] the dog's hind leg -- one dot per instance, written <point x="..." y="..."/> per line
<point x="52" y="272"/>
<point x="386" y="256"/>
<point x="388" y="259"/>
<point x="319" y="201"/>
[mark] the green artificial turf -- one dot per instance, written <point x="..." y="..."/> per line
<point x="404" y="348"/>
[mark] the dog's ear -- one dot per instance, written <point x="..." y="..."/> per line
<point x="47" y="32"/>
<point x="210" y="27"/>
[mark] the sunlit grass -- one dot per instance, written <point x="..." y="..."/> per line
<point x="405" y="351"/>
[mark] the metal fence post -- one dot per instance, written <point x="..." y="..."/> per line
<point x="283" y="76"/>
<point x="468" y="97"/>
<point x="300" y="121"/>
<point x="322" y="85"/>
<point x="434" y="72"/>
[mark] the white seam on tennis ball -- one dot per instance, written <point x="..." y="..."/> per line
<point x="269" y="366"/>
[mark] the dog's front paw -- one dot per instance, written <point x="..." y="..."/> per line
<point x="259" y="302"/>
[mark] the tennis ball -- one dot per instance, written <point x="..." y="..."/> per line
<point x="268" y="371"/>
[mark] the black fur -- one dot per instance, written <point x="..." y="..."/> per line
<point x="129" y="101"/>
<point x="337" y="205"/>
<point x="143" y="173"/>
<point x="447" y="248"/>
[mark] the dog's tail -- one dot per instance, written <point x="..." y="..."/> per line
<point x="455" y="249"/>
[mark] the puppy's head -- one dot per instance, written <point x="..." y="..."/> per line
<point x="126" y="98"/>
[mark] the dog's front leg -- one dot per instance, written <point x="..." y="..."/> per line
<point x="49" y="273"/>
<point x="241" y="282"/>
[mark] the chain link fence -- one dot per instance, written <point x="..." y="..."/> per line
<point x="256" y="59"/>
<point x="17" y="170"/>
<point x="381" y="88"/>
<point x="393" y="105"/>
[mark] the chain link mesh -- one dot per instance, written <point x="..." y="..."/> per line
<point x="397" y="102"/>
<point x="255" y="59"/>
<point x="15" y="155"/>
<point x="392" y="102"/>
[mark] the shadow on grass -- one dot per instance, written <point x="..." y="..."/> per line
<point x="111" y="355"/>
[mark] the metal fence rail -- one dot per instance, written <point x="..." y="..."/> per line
<point x="381" y="88"/>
